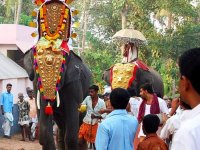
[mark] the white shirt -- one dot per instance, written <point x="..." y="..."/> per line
<point x="135" y="105"/>
<point x="163" y="109"/>
<point x="172" y="124"/>
<point x="100" y="105"/>
<point x="188" y="135"/>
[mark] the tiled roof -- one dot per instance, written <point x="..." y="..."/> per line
<point x="19" y="35"/>
<point x="9" y="69"/>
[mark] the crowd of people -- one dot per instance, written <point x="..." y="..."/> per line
<point x="114" y="121"/>
<point x="27" y="119"/>
<point x="163" y="123"/>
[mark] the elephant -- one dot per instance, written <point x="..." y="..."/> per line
<point x="143" y="74"/>
<point x="75" y="81"/>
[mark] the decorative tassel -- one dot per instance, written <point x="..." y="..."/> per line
<point x="33" y="24"/>
<point x="34" y="13"/>
<point x="68" y="1"/>
<point x="74" y="35"/>
<point x="75" y="12"/>
<point x="38" y="2"/>
<point x="48" y="109"/>
<point x="58" y="99"/>
<point x="38" y="99"/>
<point x="34" y="34"/>
<point x="76" y="25"/>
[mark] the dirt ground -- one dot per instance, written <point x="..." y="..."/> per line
<point x="15" y="144"/>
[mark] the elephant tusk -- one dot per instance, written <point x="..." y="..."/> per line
<point x="58" y="99"/>
<point x="38" y="99"/>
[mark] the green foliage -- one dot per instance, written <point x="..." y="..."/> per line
<point x="178" y="18"/>
<point x="98" y="61"/>
<point x="24" y="19"/>
<point x="99" y="58"/>
<point x="163" y="48"/>
<point x="8" y="10"/>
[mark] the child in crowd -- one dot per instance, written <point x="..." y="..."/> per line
<point x="24" y="109"/>
<point x="32" y="113"/>
<point x="151" y="141"/>
<point x="109" y="107"/>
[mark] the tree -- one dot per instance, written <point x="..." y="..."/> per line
<point x="178" y="30"/>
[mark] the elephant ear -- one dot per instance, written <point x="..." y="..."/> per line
<point x="28" y="64"/>
<point x="74" y="69"/>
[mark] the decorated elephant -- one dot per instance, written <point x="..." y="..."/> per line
<point x="61" y="79"/>
<point x="74" y="87"/>
<point x="134" y="74"/>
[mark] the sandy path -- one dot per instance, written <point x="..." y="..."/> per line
<point x="16" y="144"/>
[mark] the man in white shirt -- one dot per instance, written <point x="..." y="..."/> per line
<point x="151" y="104"/>
<point x="173" y="123"/>
<point x="188" y="135"/>
<point x="87" y="131"/>
<point x="134" y="102"/>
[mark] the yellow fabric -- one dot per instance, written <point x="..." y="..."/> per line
<point x="122" y="74"/>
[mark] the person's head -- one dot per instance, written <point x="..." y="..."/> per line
<point x="169" y="102"/>
<point x="119" y="98"/>
<point x="9" y="87"/>
<point x="158" y="94"/>
<point x="93" y="91"/>
<point x="132" y="91"/>
<point x="106" y="96"/>
<point x="21" y="96"/>
<point x="30" y="93"/>
<point x="150" y="124"/>
<point x="28" y="89"/>
<point x="189" y="83"/>
<point x="145" y="90"/>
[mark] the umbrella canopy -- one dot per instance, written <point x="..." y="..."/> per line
<point x="130" y="35"/>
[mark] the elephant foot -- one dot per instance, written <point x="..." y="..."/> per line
<point x="48" y="147"/>
<point x="83" y="145"/>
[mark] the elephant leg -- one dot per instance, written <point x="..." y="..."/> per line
<point x="71" y="114"/>
<point x="46" y="129"/>
<point x="72" y="128"/>
<point x="61" y="143"/>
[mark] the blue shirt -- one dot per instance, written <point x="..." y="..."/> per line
<point x="7" y="102"/>
<point x="117" y="131"/>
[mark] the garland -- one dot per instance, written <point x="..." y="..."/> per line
<point x="61" y="26"/>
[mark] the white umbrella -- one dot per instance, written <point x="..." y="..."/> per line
<point x="130" y="35"/>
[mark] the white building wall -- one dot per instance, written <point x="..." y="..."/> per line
<point x="5" y="47"/>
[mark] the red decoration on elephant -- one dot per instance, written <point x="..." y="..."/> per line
<point x="64" y="46"/>
<point x="49" y="110"/>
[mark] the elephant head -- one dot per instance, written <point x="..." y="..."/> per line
<point x="58" y="73"/>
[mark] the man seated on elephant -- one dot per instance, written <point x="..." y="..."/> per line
<point x="151" y="104"/>
<point x="89" y="127"/>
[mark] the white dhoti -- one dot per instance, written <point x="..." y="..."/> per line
<point x="34" y="122"/>
<point x="8" y="123"/>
